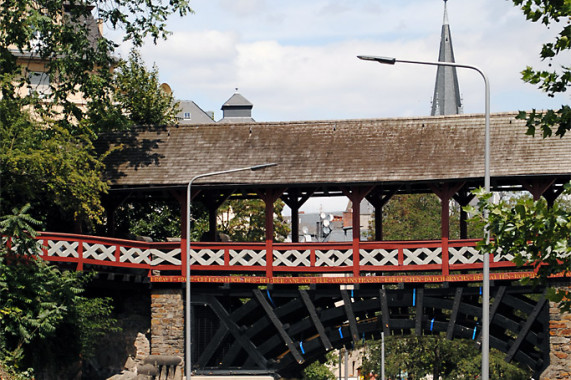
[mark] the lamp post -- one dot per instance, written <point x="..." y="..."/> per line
<point x="188" y="360"/>
<point x="486" y="265"/>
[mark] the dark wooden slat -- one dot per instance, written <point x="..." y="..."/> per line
<point x="454" y="315"/>
<point x="210" y="350"/>
<point x="244" y="342"/>
<point x="348" y="306"/>
<point x="526" y="327"/>
<point x="316" y="322"/>
<point x="278" y="325"/>
<point x="494" y="309"/>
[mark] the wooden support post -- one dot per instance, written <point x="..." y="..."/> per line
<point x="537" y="186"/>
<point x="111" y="204"/>
<point x="445" y="192"/>
<point x="379" y="198"/>
<point x="463" y="198"/>
<point x="295" y="199"/>
<point x="180" y="196"/>
<point x="213" y="201"/>
<point x="269" y="197"/>
<point x="356" y="195"/>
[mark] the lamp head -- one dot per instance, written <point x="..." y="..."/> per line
<point x="383" y="60"/>
<point x="262" y="166"/>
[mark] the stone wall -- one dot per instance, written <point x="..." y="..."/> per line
<point x="167" y="322"/>
<point x="560" y="345"/>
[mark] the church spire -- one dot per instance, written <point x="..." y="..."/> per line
<point x="446" y="99"/>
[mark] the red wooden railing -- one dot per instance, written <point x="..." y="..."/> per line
<point x="384" y="261"/>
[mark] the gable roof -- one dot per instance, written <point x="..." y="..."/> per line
<point x="337" y="152"/>
<point x="197" y="114"/>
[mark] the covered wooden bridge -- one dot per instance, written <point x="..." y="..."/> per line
<point x="372" y="159"/>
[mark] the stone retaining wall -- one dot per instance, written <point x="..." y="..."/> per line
<point x="167" y="322"/>
<point x="560" y="345"/>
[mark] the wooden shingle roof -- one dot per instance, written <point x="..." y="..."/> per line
<point x="395" y="150"/>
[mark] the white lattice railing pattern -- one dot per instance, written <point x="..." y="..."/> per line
<point x="422" y="256"/>
<point x="379" y="257"/>
<point x="333" y="258"/>
<point x="248" y="257"/>
<point x="61" y="248"/>
<point x="206" y="257"/>
<point x="294" y="257"/>
<point x="464" y="255"/>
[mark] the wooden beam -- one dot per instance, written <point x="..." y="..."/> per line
<point x="278" y="325"/>
<point x="213" y="345"/>
<point x="379" y="198"/>
<point x="295" y="199"/>
<point x="269" y="196"/>
<point x="236" y="332"/>
<point x="521" y="335"/>
<point x="356" y="195"/>
<point x="454" y="315"/>
<point x="348" y="306"/>
<point x="537" y="186"/>
<point x="315" y="319"/>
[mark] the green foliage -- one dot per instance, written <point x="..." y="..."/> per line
<point x="320" y="370"/>
<point x="47" y="166"/>
<point x="534" y="233"/>
<point x="419" y="356"/>
<point x="244" y="220"/>
<point x="470" y="368"/>
<point x="139" y="92"/>
<point x="418" y="217"/>
<point x="47" y="157"/>
<point x="153" y="218"/>
<point x="63" y="34"/>
<point x="44" y="319"/>
<point x="551" y="13"/>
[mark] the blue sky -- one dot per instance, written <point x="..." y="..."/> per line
<point x="296" y="60"/>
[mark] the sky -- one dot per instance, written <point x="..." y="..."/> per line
<point x="296" y="59"/>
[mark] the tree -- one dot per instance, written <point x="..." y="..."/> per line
<point x="48" y="167"/>
<point x="244" y="220"/>
<point x="551" y="13"/>
<point x="75" y="59"/>
<point x="156" y="219"/>
<point x="45" y="321"/>
<point x="51" y="56"/>
<point x="419" y="356"/>
<point x="532" y="232"/>
<point x="417" y="217"/>
<point x="139" y="92"/>
<point x="320" y="371"/>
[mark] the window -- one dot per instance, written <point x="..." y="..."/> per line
<point x="39" y="83"/>
<point x="187" y="116"/>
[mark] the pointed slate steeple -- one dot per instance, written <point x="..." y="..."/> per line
<point x="446" y="99"/>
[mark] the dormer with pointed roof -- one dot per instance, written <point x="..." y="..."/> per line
<point x="446" y="99"/>
<point x="237" y="109"/>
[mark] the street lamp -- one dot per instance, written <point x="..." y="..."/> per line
<point x="188" y="362"/>
<point x="486" y="270"/>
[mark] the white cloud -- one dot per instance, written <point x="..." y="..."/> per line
<point x="297" y="59"/>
